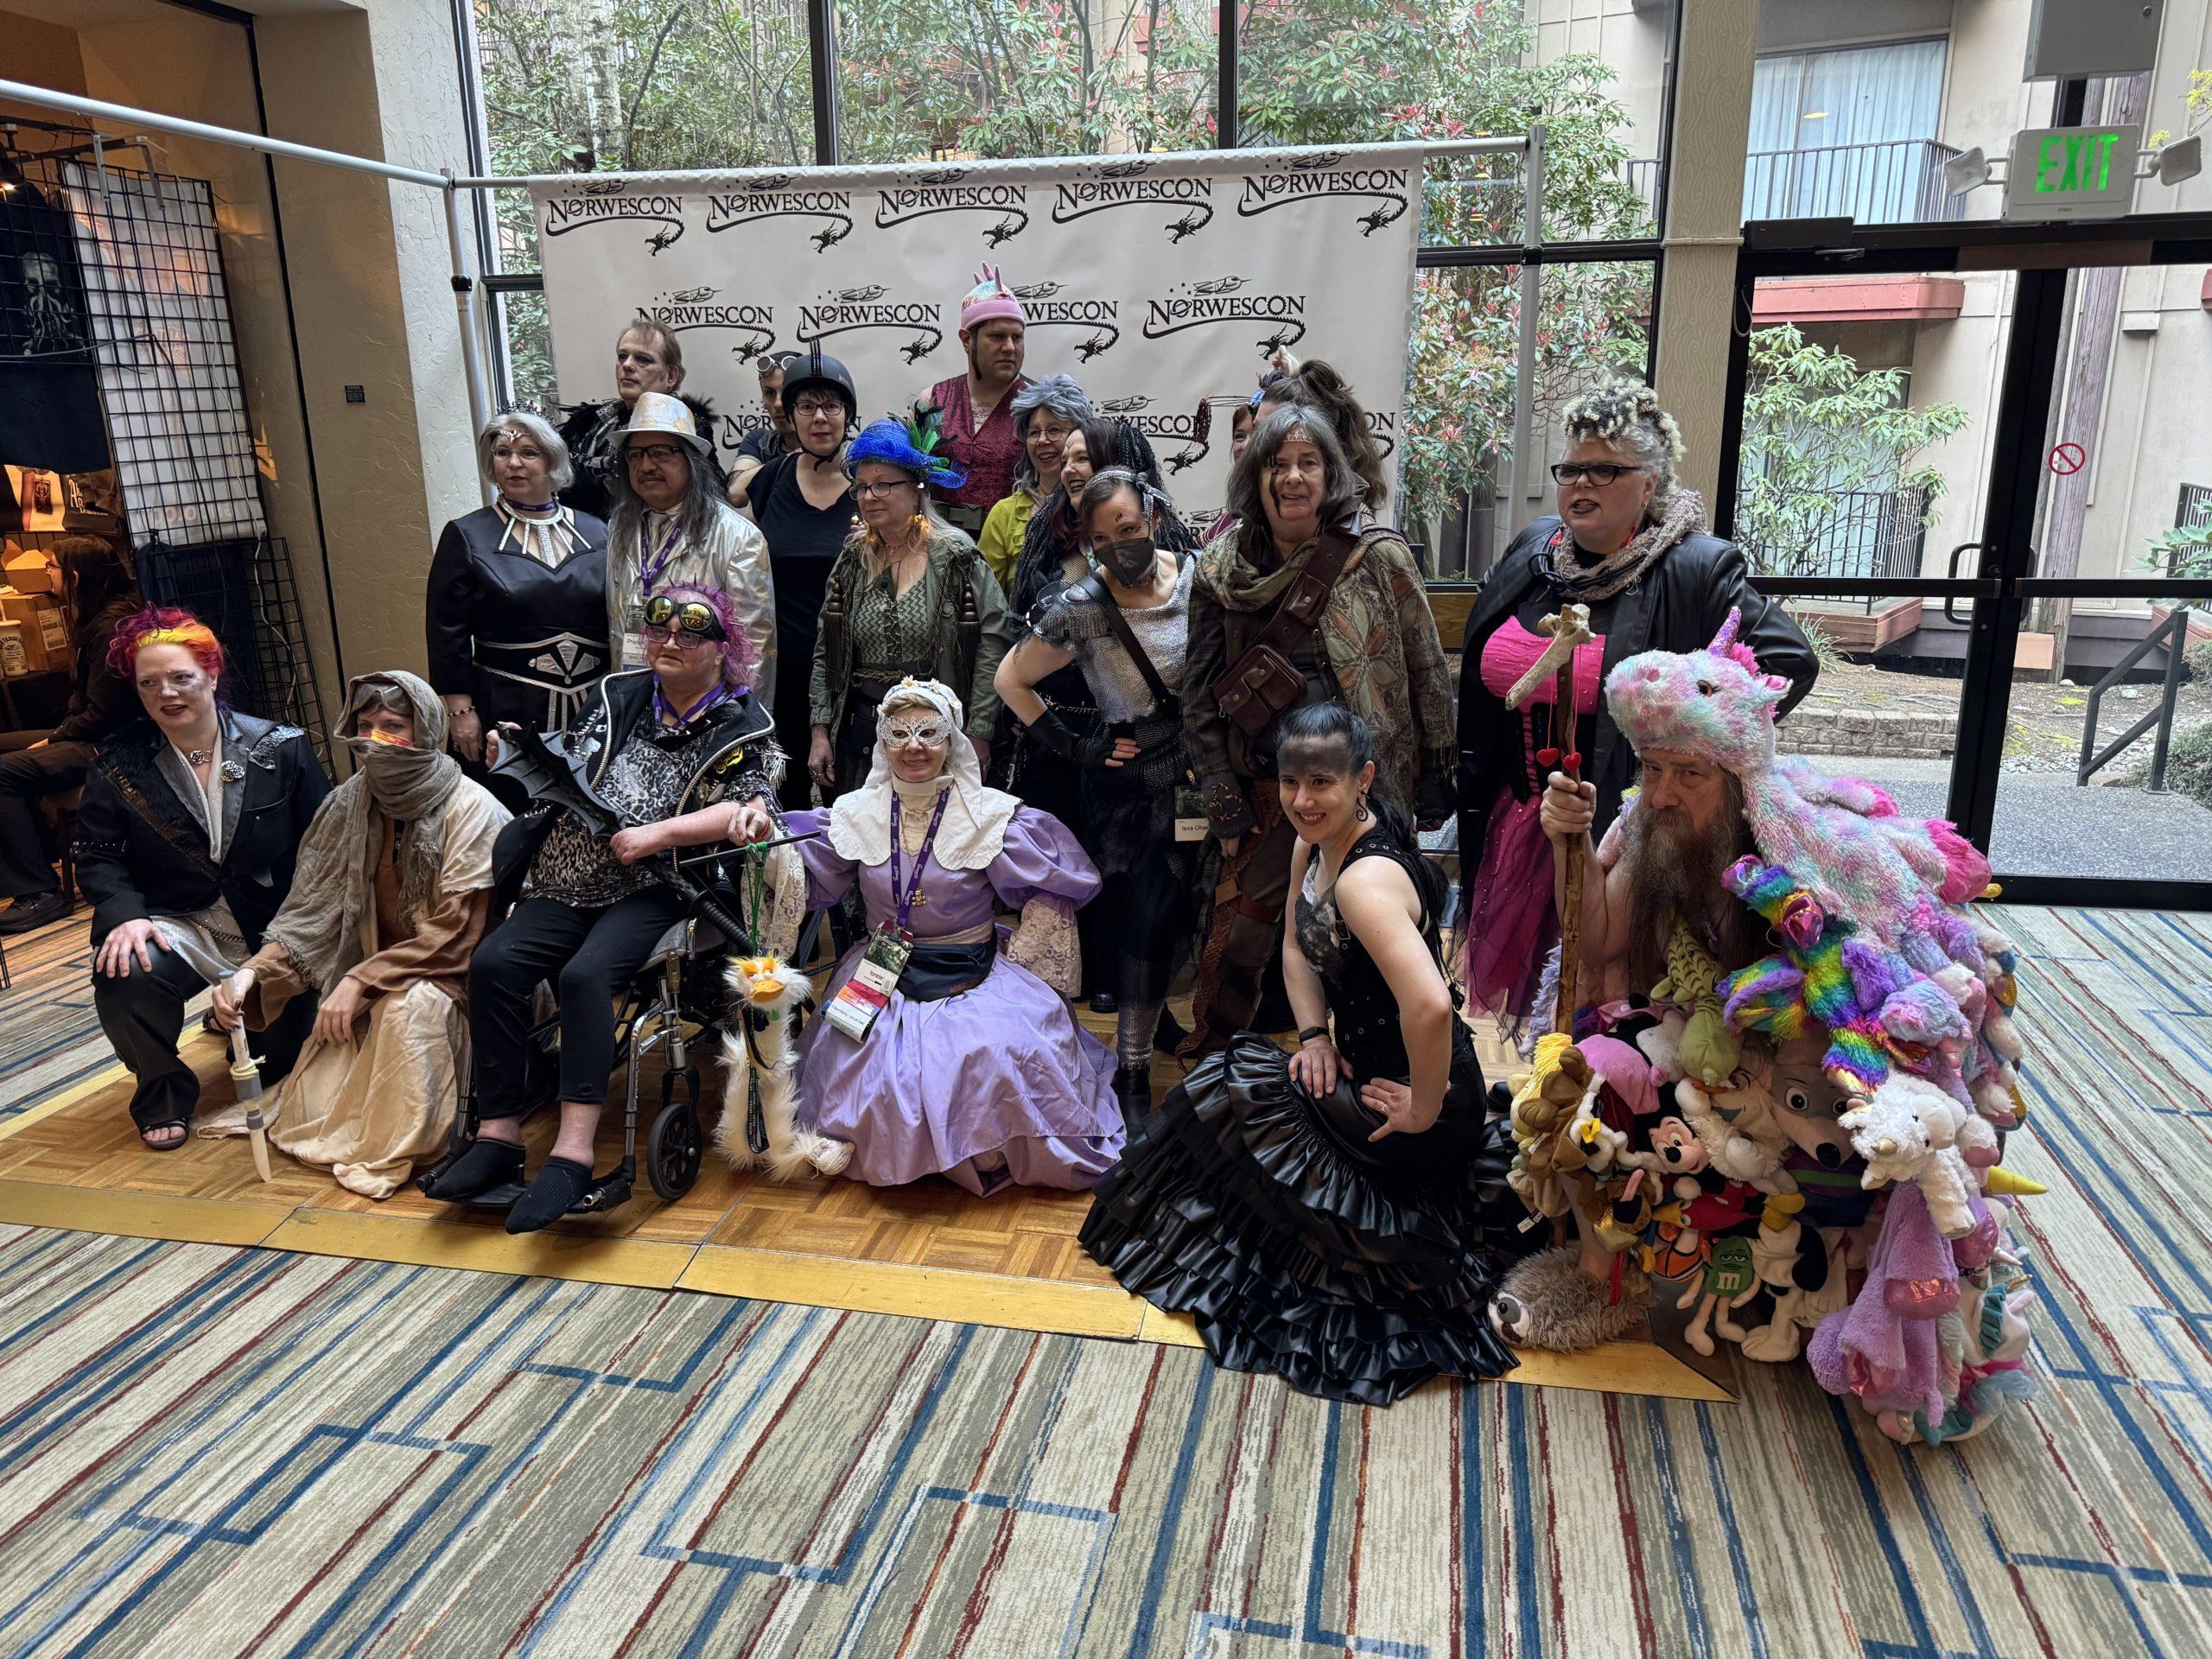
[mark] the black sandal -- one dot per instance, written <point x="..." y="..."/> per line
<point x="147" y="1131"/>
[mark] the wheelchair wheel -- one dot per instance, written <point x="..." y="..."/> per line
<point x="674" y="1149"/>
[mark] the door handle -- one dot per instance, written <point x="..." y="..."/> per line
<point x="1950" y="614"/>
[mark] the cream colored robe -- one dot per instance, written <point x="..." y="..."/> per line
<point x="370" y="1110"/>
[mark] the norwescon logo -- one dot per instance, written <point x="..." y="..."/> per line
<point x="693" y="310"/>
<point x="770" y="199"/>
<point x="850" y="310"/>
<point x="943" y="192"/>
<point x="1389" y="186"/>
<point x="1200" y="305"/>
<point x="567" y="214"/>
<point x="1083" y="197"/>
<point x="1041" y="303"/>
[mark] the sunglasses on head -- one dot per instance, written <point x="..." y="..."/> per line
<point x="691" y="616"/>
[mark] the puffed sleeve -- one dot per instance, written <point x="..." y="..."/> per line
<point x="830" y="874"/>
<point x="1041" y="859"/>
<point x="449" y="616"/>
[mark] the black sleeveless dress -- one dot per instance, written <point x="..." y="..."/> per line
<point x="1354" y="1269"/>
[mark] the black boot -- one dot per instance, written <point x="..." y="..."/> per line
<point x="1133" y="1087"/>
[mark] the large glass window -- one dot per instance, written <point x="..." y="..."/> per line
<point x="1848" y="133"/>
<point x="935" y="80"/>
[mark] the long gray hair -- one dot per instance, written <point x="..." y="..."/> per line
<point x="702" y="499"/>
<point x="1341" y="488"/>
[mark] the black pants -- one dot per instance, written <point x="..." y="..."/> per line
<point x="142" y="1014"/>
<point x="28" y="775"/>
<point x="591" y="956"/>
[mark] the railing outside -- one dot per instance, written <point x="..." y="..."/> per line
<point x="1855" y="533"/>
<point x="1896" y="181"/>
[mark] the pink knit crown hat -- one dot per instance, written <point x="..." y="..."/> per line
<point x="1845" y="841"/>
<point x="990" y="301"/>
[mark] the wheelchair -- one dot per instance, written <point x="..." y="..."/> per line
<point x="682" y="981"/>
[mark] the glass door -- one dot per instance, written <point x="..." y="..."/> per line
<point x="1971" y="459"/>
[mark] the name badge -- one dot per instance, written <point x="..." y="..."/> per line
<point x="633" y="651"/>
<point x="862" y="1000"/>
<point x="1191" y="821"/>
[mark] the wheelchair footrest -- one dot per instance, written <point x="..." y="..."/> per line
<point x="604" y="1193"/>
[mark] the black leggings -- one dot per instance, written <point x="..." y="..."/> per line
<point x="591" y="955"/>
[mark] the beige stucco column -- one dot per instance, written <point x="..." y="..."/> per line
<point x="1705" y="214"/>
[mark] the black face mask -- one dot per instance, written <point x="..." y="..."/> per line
<point x="1130" y="562"/>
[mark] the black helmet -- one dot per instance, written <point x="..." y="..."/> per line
<point x="811" y="368"/>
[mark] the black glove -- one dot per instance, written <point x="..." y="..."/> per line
<point x="1054" y="733"/>
<point x="1434" y="799"/>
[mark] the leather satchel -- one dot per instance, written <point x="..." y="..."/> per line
<point x="1263" y="683"/>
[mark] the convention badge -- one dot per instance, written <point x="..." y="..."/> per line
<point x="633" y="649"/>
<point x="1730" y="1273"/>
<point x="1192" y="822"/>
<point x="863" y="997"/>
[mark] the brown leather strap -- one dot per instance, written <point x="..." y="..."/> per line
<point x="1300" y="614"/>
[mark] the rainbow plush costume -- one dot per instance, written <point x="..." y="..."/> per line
<point x="1916" y="1302"/>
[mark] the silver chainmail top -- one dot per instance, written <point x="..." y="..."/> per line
<point x="1074" y="622"/>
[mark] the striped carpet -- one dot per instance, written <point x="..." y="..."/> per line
<point x="215" y="1450"/>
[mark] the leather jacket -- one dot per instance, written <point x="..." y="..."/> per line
<point x="1679" y="604"/>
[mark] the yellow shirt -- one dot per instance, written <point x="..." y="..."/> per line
<point x="1004" y="528"/>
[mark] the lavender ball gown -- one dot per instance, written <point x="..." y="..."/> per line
<point x="993" y="1086"/>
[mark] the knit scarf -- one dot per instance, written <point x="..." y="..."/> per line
<point x="1242" y="585"/>
<point x="332" y="885"/>
<point x="1681" y="514"/>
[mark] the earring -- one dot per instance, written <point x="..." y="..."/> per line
<point x="1360" y="811"/>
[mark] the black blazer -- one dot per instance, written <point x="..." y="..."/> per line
<point x="1679" y="605"/>
<point x="140" y="852"/>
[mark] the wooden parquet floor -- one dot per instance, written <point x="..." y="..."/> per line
<point x="70" y="1157"/>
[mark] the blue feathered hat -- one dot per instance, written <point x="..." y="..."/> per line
<point x="911" y="447"/>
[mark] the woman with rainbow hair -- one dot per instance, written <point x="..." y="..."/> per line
<point x="191" y="822"/>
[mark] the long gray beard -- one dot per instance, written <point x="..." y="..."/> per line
<point x="1672" y="871"/>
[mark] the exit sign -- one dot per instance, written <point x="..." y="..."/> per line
<point x="2072" y="173"/>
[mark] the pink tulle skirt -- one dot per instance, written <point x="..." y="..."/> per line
<point x="1510" y="925"/>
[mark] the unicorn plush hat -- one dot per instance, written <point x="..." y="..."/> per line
<point x="1843" y="839"/>
<point x="990" y="301"/>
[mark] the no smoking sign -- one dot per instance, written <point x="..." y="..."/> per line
<point x="2068" y="458"/>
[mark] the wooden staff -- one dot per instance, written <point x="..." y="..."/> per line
<point x="1569" y="629"/>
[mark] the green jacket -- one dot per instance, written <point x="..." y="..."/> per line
<point x="972" y="631"/>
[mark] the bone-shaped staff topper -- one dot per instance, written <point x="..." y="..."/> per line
<point x="1569" y="627"/>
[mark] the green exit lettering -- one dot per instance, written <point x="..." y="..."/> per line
<point x="2075" y="161"/>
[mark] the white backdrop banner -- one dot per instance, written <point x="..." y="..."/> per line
<point x="1160" y="283"/>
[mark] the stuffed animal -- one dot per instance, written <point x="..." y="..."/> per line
<point x="1731" y="1145"/>
<point x="1549" y="1302"/>
<point x="1552" y="1107"/>
<point x="1911" y="1131"/>
<point x="768" y="992"/>
<point x="1703" y="1046"/>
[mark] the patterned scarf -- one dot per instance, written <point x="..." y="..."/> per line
<point x="1681" y="514"/>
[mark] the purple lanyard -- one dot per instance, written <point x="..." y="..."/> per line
<point x="921" y="859"/>
<point x="662" y="705"/>
<point x="650" y="576"/>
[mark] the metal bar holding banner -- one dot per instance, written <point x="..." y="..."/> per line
<point x="472" y="341"/>
<point x="1528" y="469"/>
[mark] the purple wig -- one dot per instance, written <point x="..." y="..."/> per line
<point x="739" y="662"/>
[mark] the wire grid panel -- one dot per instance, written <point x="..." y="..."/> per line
<point x="159" y="315"/>
<point x="246" y="593"/>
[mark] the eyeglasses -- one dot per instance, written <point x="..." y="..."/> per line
<point x="869" y="491"/>
<point x="666" y="618"/>
<point x="900" y="734"/>
<point x="658" y="453"/>
<point x="1600" y="472"/>
<point x="807" y="409"/>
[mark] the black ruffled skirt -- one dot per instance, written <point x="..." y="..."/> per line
<point x="1354" y="1270"/>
